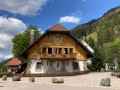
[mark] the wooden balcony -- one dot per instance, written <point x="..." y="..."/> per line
<point x="58" y="56"/>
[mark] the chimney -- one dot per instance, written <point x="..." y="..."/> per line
<point x="31" y="36"/>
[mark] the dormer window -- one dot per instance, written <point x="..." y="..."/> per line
<point x="57" y="38"/>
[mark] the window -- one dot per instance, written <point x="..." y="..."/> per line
<point x="60" y="50"/>
<point x="71" y="50"/>
<point x="44" y="50"/>
<point x="49" y="50"/>
<point x="75" y="65"/>
<point x="57" y="38"/>
<point x="55" y="50"/>
<point x="65" y="50"/>
<point x="38" y="65"/>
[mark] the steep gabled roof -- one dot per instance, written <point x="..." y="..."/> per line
<point x="57" y="27"/>
<point x="13" y="61"/>
<point x="61" y="29"/>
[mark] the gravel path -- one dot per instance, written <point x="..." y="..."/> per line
<point x="86" y="81"/>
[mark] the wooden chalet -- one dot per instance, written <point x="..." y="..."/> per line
<point x="56" y="51"/>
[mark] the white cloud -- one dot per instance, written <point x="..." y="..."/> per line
<point x="23" y="7"/>
<point x="11" y="26"/>
<point x="70" y="19"/>
<point x="8" y="56"/>
<point x="74" y="17"/>
<point x="6" y="42"/>
<point x="1" y="55"/>
<point x="41" y="31"/>
<point x="4" y="57"/>
<point x="8" y="28"/>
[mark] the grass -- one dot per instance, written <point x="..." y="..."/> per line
<point x="93" y="35"/>
<point x="3" y="72"/>
<point x="116" y="42"/>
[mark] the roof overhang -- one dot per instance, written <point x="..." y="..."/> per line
<point x="90" y="54"/>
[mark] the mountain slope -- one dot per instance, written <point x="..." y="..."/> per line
<point x="4" y="62"/>
<point x="104" y="32"/>
<point x="108" y="23"/>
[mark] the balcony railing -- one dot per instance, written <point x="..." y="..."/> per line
<point x="57" y="56"/>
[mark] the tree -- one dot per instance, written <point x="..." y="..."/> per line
<point x="22" y="41"/>
<point x="113" y="51"/>
<point x="91" y="42"/>
<point x="97" y="60"/>
<point x="100" y="38"/>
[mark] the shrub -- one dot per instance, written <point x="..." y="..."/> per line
<point x="117" y="70"/>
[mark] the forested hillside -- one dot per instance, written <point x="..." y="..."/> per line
<point x="2" y="65"/>
<point x="104" y="32"/>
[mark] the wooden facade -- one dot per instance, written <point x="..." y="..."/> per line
<point x="57" y="50"/>
<point x="48" y="41"/>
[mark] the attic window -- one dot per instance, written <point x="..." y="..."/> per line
<point x="57" y="38"/>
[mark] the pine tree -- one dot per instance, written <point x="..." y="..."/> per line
<point x="91" y="42"/>
<point x="97" y="62"/>
<point x="100" y="38"/>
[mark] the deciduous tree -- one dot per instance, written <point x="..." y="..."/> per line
<point x="22" y="41"/>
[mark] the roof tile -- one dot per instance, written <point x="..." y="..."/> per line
<point x="57" y="27"/>
<point x="14" y="61"/>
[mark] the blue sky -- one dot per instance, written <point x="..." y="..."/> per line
<point x="17" y="15"/>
